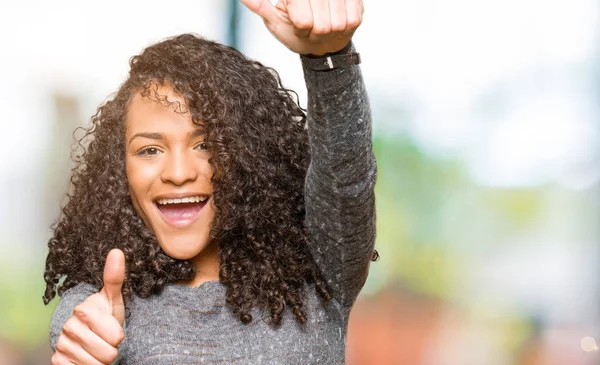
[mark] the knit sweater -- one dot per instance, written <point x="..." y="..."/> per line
<point x="192" y="325"/>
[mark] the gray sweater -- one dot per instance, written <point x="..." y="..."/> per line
<point x="191" y="325"/>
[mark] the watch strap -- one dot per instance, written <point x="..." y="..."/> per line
<point x="343" y="58"/>
<point x="326" y="63"/>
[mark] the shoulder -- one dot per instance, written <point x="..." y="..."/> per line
<point x="80" y="289"/>
<point x="64" y="309"/>
<point x="71" y="298"/>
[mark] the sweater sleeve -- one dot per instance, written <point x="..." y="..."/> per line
<point x="339" y="188"/>
<point x="64" y="310"/>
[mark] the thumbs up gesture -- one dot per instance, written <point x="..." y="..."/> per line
<point x="310" y="26"/>
<point x="95" y="330"/>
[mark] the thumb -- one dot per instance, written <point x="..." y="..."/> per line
<point x="262" y="8"/>
<point x="114" y="275"/>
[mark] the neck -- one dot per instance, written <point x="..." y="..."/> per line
<point x="206" y="264"/>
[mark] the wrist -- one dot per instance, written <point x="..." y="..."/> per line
<point x="344" y="58"/>
<point x="344" y="50"/>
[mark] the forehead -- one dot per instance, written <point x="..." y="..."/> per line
<point x="158" y="107"/>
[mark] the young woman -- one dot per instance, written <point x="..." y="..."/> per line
<point x="211" y="220"/>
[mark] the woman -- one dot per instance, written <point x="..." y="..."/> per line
<point x="210" y="220"/>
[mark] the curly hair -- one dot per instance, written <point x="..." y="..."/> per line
<point x="259" y="154"/>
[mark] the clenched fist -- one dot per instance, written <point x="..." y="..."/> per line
<point x="95" y="330"/>
<point x="310" y="26"/>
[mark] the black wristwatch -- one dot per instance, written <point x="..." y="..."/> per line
<point x="330" y="61"/>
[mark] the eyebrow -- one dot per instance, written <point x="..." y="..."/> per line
<point x="195" y="133"/>
<point x="198" y="132"/>
<point x="147" y="135"/>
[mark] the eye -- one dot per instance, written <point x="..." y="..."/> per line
<point x="148" y="151"/>
<point x="201" y="146"/>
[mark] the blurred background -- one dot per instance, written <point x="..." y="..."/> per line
<point x="487" y="134"/>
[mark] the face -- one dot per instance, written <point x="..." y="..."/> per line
<point x="169" y="178"/>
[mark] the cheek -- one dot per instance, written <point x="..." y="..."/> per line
<point x="132" y="180"/>
<point x="140" y="176"/>
<point x="210" y="214"/>
<point x="139" y="181"/>
<point x="205" y="169"/>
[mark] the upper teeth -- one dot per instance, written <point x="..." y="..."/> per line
<point x="189" y="199"/>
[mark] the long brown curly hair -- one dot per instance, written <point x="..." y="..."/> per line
<point x="259" y="154"/>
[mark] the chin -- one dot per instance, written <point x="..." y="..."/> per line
<point x="182" y="246"/>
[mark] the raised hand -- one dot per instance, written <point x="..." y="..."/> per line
<point x="310" y="26"/>
<point x="95" y="330"/>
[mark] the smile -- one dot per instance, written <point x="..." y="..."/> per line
<point x="181" y="211"/>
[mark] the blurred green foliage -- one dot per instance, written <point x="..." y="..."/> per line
<point x="431" y="217"/>
<point x="24" y="320"/>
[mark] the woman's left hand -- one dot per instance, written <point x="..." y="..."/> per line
<point x="310" y="26"/>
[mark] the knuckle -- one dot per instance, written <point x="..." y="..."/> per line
<point x="61" y="344"/>
<point x="338" y="27"/>
<point x="354" y="23"/>
<point x="79" y="310"/>
<point x="321" y="29"/>
<point x="68" y="328"/>
<point x="111" y="354"/>
<point x="115" y="336"/>
<point x="58" y="359"/>
<point x="303" y="24"/>
<point x="119" y="335"/>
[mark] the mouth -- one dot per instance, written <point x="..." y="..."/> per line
<point x="181" y="211"/>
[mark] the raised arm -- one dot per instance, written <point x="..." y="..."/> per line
<point x="339" y="190"/>
<point x="340" y="203"/>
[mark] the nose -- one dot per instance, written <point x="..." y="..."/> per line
<point x="179" y="168"/>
